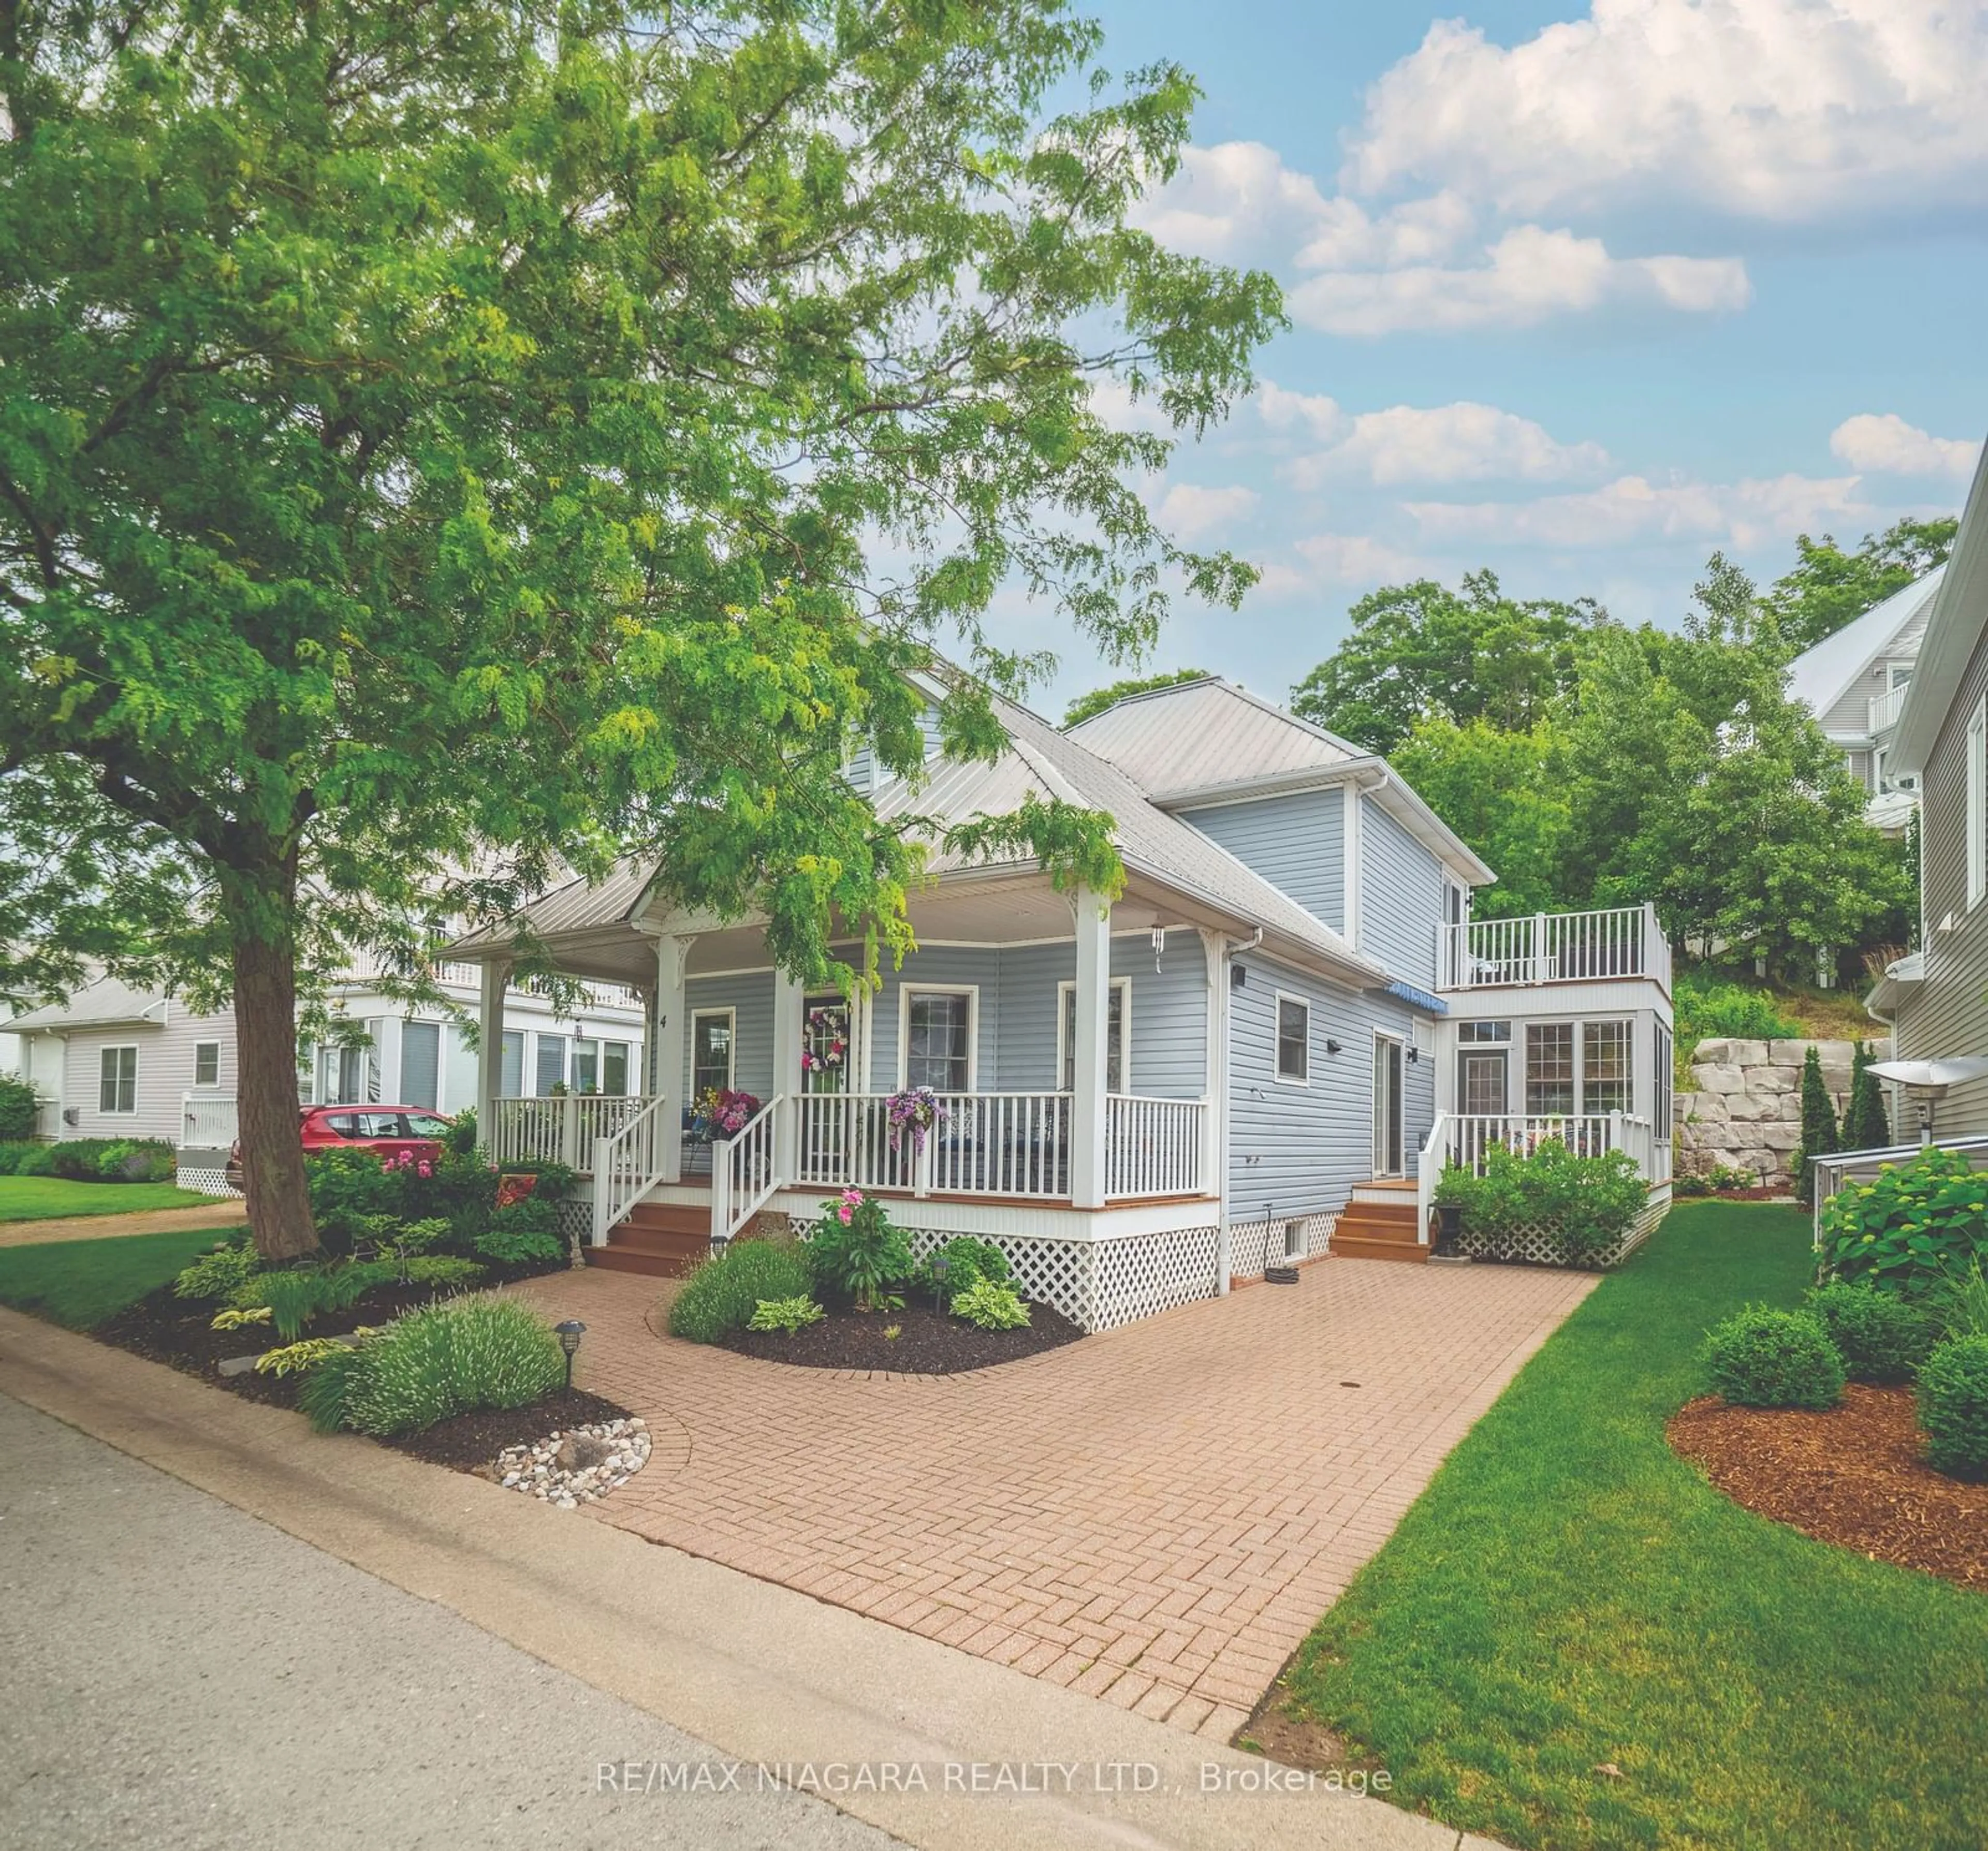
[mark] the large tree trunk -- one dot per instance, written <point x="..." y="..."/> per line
<point x="261" y="915"/>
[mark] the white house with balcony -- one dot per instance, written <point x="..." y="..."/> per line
<point x="1854" y="684"/>
<point x="1259" y="1052"/>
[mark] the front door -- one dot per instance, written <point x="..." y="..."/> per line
<point x="1480" y="1083"/>
<point x="1387" y="1105"/>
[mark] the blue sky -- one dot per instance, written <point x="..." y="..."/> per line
<point x="1579" y="293"/>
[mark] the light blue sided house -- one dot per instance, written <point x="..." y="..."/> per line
<point x="1262" y="1052"/>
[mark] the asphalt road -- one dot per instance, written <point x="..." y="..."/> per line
<point x="175" y="1674"/>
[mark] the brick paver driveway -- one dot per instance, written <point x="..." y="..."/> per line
<point x="1155" y="1516"/>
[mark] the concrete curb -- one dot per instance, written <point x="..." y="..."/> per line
<point x="763" y="1673"/>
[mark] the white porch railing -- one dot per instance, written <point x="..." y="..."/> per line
<point x="1466" y="1139"/>
<point x="557" y="1129"/>
<point x="208" y="1121"/>
<point x="743" y="1173"/>
<point x="1153" y="1146"/>
<point x="1555" y="947"/>
<point x="628" y="1163"/>
<point x="1012" y="1145"/>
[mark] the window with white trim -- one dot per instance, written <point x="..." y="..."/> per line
<point x="1977" y="803"/>
<point x="615" y="1067"/>
<point x="586" y="1065"/>
<point x="711" y="1050"/>
<point x="117" y="1080"/>
<point x="938" y="1039"/>
<point x="549" y="1068"/>
<point x="207" y="1063"/>
<point x="1605" y="1065"/>
<point x="1118" y="1011"/>
<point x="1549" y="1068"/>
<point x="1293" y="1040"/>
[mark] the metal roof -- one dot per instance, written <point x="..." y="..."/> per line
<point x="1820" y="677"/>
<point x="1196" y="733"/>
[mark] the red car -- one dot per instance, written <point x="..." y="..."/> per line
<point x="386" y="1131"/>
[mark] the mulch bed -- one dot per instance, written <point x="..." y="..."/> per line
<point x="470" y="1443"/>
<point x="929" y="1343"/>
<point x="1851" y="1476"/>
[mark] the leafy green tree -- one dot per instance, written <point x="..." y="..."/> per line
<point x="1819" y="1131"/>
<point x="444" y="445"/>
<point x="1423" y="652"/>
<point x="1828" y="587"/>
<point x="1504" y="794"/>
<point x="1866" y="1126"/>
<point x="1087" y="706"/>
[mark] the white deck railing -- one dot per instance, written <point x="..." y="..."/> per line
<point x="1466" y="1139"/>
<point x="628" y="1163"/>
<point x="743" y="1173"/>
<point x="1885" y="709"/>
<point x="1555" y="947"/>
<point x="208" y="1121"/>
<point x="557" y="1129"/>
<point x="1153" y="1146"/>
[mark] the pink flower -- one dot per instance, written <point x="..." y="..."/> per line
<point x="845" y="1214"/>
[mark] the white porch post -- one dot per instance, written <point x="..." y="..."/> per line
<point x="496" y="976"/>
<point x="1088" y="1105"/>
<point x="788" y="1014"/>
<point x="1214" y="1085"/>
<point x="672" y="1054"/>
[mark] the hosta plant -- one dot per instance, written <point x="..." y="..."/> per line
<point x="789" y="1315"/>
<point x="991" y="1305"/>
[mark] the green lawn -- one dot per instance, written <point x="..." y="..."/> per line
<point x="1568" y="1593"/>
<point x="35" y="1198"/>
<point x="80" y="1283"/>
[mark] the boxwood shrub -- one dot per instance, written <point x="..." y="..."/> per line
<point x="1760" y="1357"/>
<point x="721" y="1294"/>
<point x="1881" y="1338"/>
<point x="1953" y="1407"/>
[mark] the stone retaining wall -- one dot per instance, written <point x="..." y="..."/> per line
<point x="1743" y="1108"/>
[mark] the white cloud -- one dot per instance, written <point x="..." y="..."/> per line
<point x="1113" y="402"/>
<point x="1632" y="509"/>
<point x="1529" y="275"/>
<point x="1237" y="202"/>
<point x="1457" y="443"/>
<point x="1786" y="111"/>
<point x="1357" y="559"/>
<point x="1887" y="445"/>
<point x="1192" y="514"/>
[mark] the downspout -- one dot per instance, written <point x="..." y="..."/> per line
<point x="1225" y="1254"/>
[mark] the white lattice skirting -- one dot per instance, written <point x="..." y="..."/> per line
<point x="1541" y="1245"/>
<point x="204" y="1182"/>
<point x="1099" y="1285"/>
<point x="1254" y="1245"/>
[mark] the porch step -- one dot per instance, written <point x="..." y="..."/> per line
<point x="663" y="1239"/>
<point x="1379" y="1223"/>
<point x="1387" y="1191"/>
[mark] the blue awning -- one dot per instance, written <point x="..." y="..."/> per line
<point x="1417" y="999"/>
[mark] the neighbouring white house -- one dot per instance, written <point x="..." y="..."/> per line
<point x="116" y="1062"/>
<point x="1854" y="684"/>
<point x="1267" y="1045"/>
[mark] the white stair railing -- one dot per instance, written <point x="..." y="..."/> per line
<point x="744" y="1175"/>
<point x="1428" y="1172"/>
<point x="628" y="1163"/>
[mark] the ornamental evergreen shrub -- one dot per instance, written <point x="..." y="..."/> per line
<point x="1819" y="1134"/>
<point x="722" y="1293"/>
<point x="1953" y="1408"/>
<point x="17" y="1107"/>
<point x="1866" y="1126"/>
<point x="1760" y="1357"/>
<point x="1880" y="1337"/>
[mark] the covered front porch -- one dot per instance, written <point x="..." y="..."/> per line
<point x="1041" y="1062"/>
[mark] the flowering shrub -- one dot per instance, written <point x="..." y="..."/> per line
<point x="1588" y="1203"/>
<point x="719" y="1112"/>
<point x="916" y="1110"/>
<point x="1912" y="1227"/>
<point x="856" y="1250"/>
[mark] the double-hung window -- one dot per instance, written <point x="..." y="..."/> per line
<point x="711" y="1050"/>
<point x="614" y="1068"/>
<point x="1604" y="1066"/>
<point x="938" y="1039"/>
<point x="117" y="1080"/>
<point x="1116" y="1011"/>
<point x="1549" y="1090"/>
<point x="207" y="1063"/>
<point x="1293" y="1040"/>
